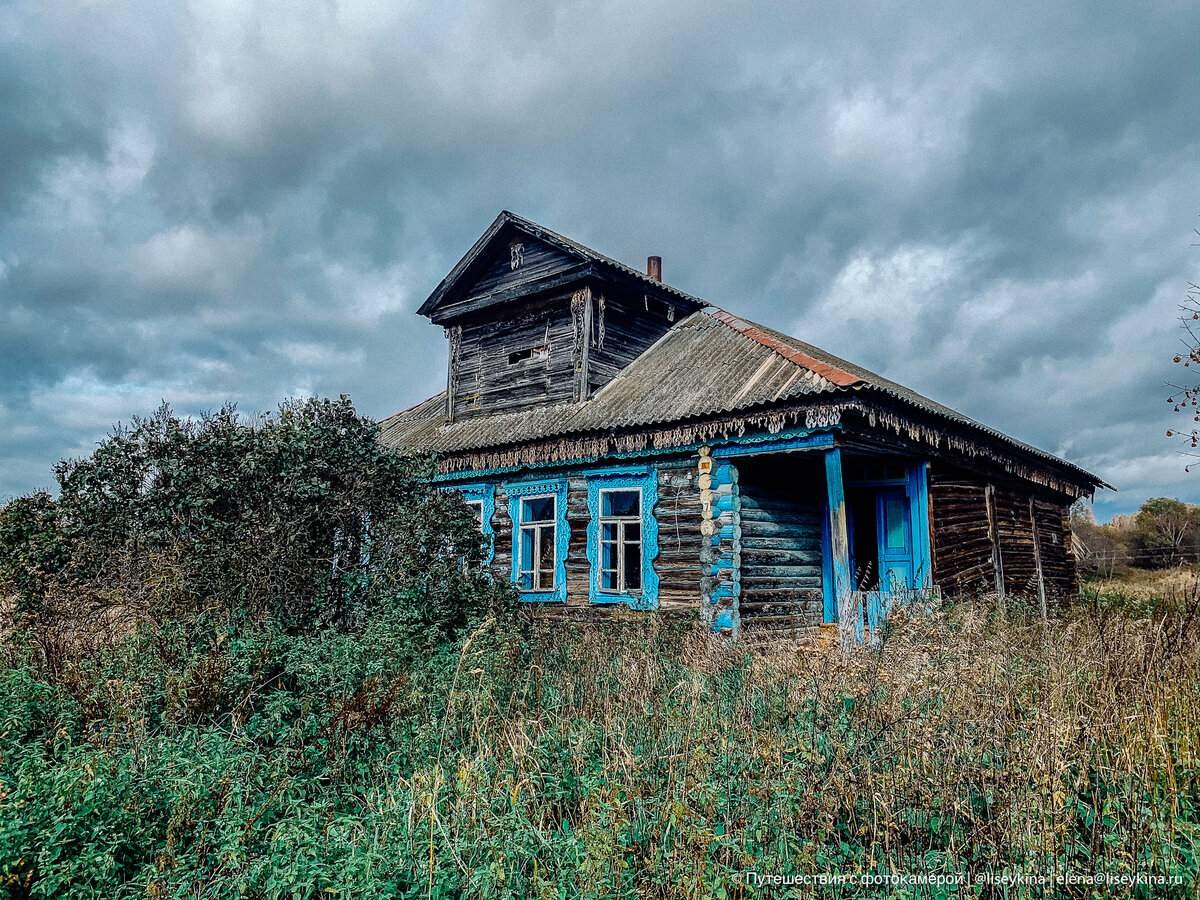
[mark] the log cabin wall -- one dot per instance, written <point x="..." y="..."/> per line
<point x="679" y="538"/>
<point x="677" y="564"/>
<point x="781" y="543"/>
<point x="527" y="356"/>
<point x="960" y="521"/>
<point x="1057" y="553"/>
<point x="991" y="535"/>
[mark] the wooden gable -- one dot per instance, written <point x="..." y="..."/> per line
<point x="535" y="319"/>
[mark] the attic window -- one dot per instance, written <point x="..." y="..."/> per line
<point x="520" y="356"/>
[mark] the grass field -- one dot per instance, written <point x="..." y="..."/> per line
<point x="638" y="761"/>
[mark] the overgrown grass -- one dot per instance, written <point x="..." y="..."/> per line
<point x="637" y="760"/>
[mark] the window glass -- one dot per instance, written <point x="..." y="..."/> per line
<point x="477" y="509"/>
<point x="632" y="563"/>
<point x="536" y="548"/>
<point x="620" y="569"/>
<point x="545" y="558"/>
<point x="620" y="503"/>
<point x="537" y="509"/>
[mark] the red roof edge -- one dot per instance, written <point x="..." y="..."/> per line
<point x="838" y="376"/>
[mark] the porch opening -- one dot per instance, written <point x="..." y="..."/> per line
<point x="781" y="534"/>
<point x="882" y="511"/>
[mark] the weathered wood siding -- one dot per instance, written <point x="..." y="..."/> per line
<point x="679" y="537"/>
<point x="781" y="543"/>
<point x="536" y="261"/>
<point x="502" y="526"/>
<point x="961" y="534"/>
<point x="1054" y="540"/>
<point x="622" y="329"/>
<point x="984" y="535"/>
<point x="486" y="382"/>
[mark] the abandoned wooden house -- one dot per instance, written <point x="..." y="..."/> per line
<point x="628" y="445"/>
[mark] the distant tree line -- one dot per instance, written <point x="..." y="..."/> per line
<point x="1164" y="532"/>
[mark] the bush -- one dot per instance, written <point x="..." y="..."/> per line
<point x="301" y="517"/>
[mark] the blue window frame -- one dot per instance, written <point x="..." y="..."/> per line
<point x="540" y="539"/>
<point x="622" y="539"/>
<point x="482" y="498"/>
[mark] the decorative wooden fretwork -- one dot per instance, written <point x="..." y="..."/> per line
<point x="598" y="332"/>
<point x="516" y="255"/>
<point x="454" y="336"/>
<point x="581" y="321"/>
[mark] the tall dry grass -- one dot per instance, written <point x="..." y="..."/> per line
<point x="629" y="760"/>
<point x="963" y="744"/>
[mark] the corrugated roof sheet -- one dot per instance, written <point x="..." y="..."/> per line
<point x="710" y="363"/>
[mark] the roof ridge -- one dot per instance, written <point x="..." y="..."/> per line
<point x="829" y="372"/>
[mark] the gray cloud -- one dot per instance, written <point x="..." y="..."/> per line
<point x="244" y="201"/>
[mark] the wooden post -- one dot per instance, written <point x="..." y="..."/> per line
<point x="1037" y="562"/>
<point x="839" y="538"/>
<point x="989" y="496"/>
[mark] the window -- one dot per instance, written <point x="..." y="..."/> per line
<point x="528" y="354"/>
<point x="536" y="543"/>
<point x="622" y="537"/>
<point x="481" y="498"/>
<point x="477" y="508"/>
<point x="621" y="541"/>
<point x="540" y="538"/>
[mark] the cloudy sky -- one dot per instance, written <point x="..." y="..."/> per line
<point x="214" y="201"/>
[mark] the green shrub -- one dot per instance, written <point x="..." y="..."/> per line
<point x="302" y="517"/>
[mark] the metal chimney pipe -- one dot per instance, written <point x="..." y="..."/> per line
<point x="654" y="267"/>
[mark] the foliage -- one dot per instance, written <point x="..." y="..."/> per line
<point x="1164" y="533"/>
<point x="301" y="517"/>
<point x="260" y="659"/>
<point x="641" y="760"/>
<point x="1165" y="530"/>
<point x="32" y="550"/>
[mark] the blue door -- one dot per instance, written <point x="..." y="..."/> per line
<point x="893" y="526"/>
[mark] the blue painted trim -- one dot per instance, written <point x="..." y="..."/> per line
<point x="840" y="577"/>
<point x="784" y="436"/>
<point x="484" y="494"/>
<point x="647" y="481"/>
<point x="808" y="442"/>
<point x="918" y="503"/>
<point x="828" y="597"/>
<point x="722" y="581"/>
<point x="562" y="535"/>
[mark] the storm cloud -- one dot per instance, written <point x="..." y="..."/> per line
<point x="236" y="201"/>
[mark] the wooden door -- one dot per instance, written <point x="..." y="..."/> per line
<point x="893" y="528"/>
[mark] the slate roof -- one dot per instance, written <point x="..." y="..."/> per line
<point x="710" y="363"/>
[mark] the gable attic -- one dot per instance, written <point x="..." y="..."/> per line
<point x="534" y="318"/>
